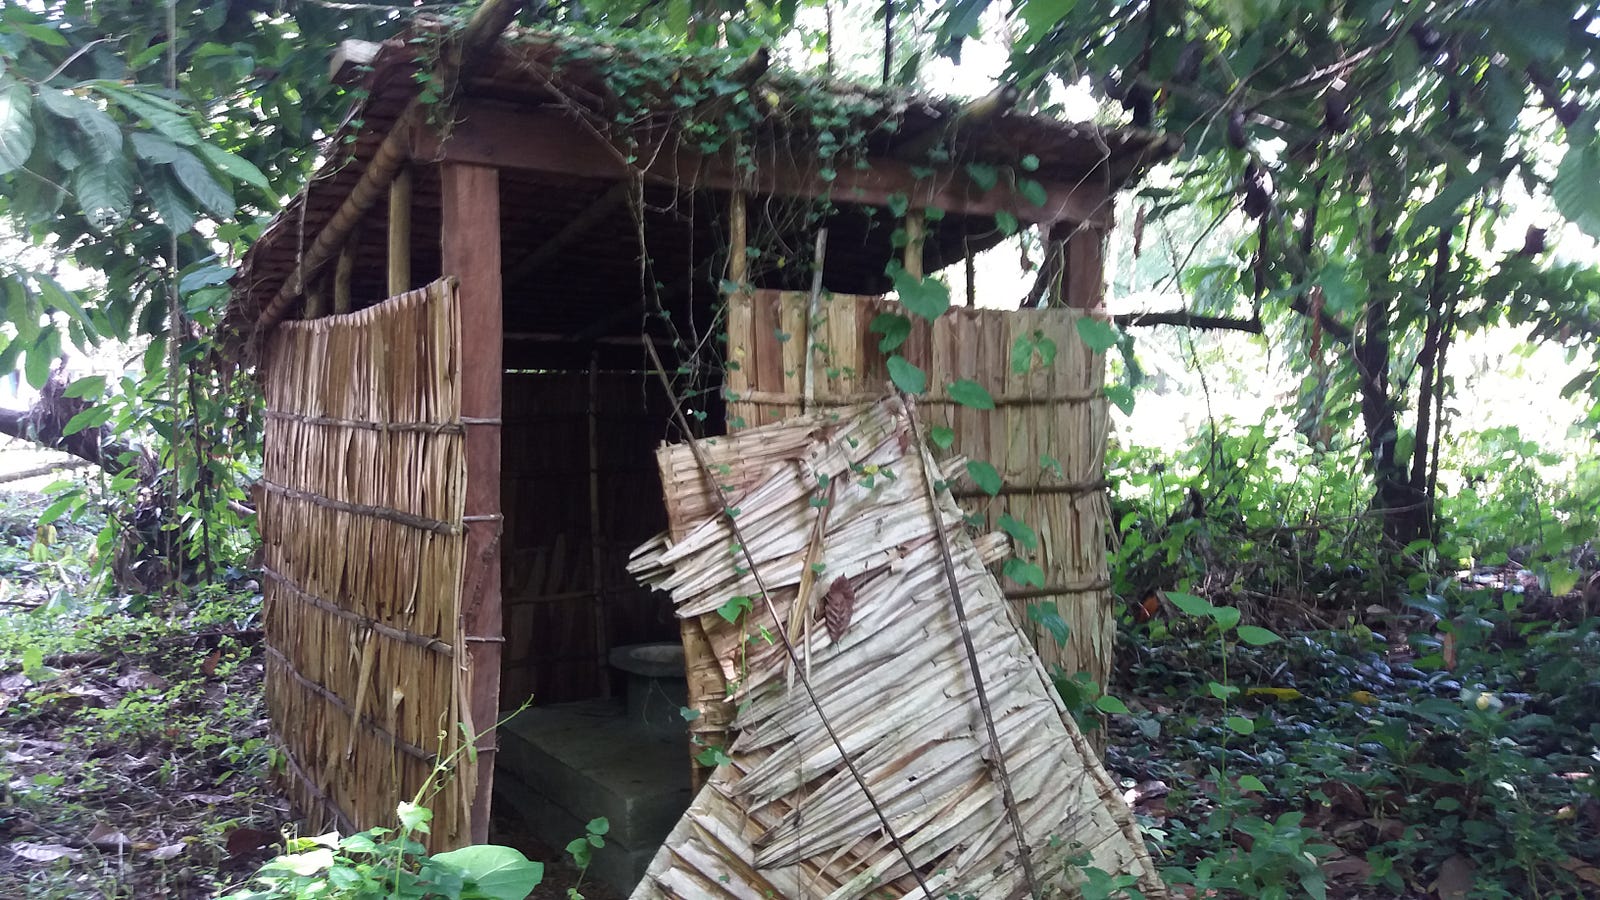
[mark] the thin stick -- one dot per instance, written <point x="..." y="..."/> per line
<point x="783" y="636"/>
<point x="1025" y="855"/>
<point x="813" y="309"/>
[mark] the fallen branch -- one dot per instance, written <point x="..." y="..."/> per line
<point x="47" y="469"/>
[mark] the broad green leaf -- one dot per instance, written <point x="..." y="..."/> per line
<point x="734" y="608"/>
<point x="305" y="864"/>
<point x="496" y="872"/>
<point x="1023" y="572"/>
<point x="87" y="387"/>
<point x="1448" y="204"/>
<point x="16" y="125"/>
<point x="52" y="294"/>
<point x="906" y="376"/>
<point x="1111" y="705"/>
<point x="1097" y="334"/>
<point x="894" y="327"/>
<point x="983" y="175"/>
<point x="93" y="417"/>
<point x="237" y="167"/>
<point x="1574" y="187"/>
<point x="1033" y="192"/>
<point x="1121" y="396"/>
<point x="1241" y="725"/>
<point x="1189" y="603"/>
<point x="1256" y="636"/>
<point x="101" y="133"/>
<point x="162" y="115"/>
<point x="1225" y="616"/>
<point x="154" y="148"/>
<point x="984" y="476"/>
<point x="36" y="369"/>
<point x="1047" y="616"/>
<point x="925" y="297"/>
<point x="1251" y="783"/>
<point x="1020" y="531"/>
<point x="1222" y="691"/>
<point x="198" y="181"/>
<point x="105" y="192"/>
<point x="1006" y="222"/>
<point x="941" y="437"/>
<point x="970" y="394"/>
<point x="1039" y="16"/>
<point x="175" y="209"/>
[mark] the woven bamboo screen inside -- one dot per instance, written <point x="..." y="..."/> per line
<point x="578" y="482"/>
<point x="363" y="544"/>
<point x="1046" y="435"/>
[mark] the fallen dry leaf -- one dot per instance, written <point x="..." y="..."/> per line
<point x="838" y="606"/>
<point x="1353" y="867"/>
<point x="244" y="841"/>
<point x="45" y="852"/>
<point x="1582" y="869"/>
<point x="209" y="667"/>
<point x="207" y="799"/>
<point x="1455" y="878"/>
<point x="169" y="851"/>
<point x="140" y="679"/>
<point x="107" y="837"/>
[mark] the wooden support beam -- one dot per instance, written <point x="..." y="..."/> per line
<point x="470" y="251"/>
<point x="509" y="137"/>
<point x="316" y="299"/>
<point x="916" y="234"/>
<point x="400" y="233"/>
<point x="483" y="29"/>
<point x="1083" y="257"/>
<point x="342" y="274"/>
<point x="738" y="239"/>
<point x="576" y="228"/>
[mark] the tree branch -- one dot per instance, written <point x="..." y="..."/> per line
<point x="1183" y="319"/>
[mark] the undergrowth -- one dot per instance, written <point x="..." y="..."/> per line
<point x="1428" y="726"/>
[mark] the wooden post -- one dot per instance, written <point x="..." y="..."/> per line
<point x="316" y="299"/>
<point x="738" y="240"/>
<point x="400" y="233"/>
<point x="470" y="251"/>
<point x="1083" y="282"/>
<point x="597" y="530"/>
<point x="341" y="276"/>
<point x="916" y="233"/>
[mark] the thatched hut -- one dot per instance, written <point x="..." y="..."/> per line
<point x="451" y="324"/>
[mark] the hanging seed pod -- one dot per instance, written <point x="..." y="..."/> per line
<point x="1187" y="69"/>
<point x="1236" y="137"/>
<point x="1336" y="116"/>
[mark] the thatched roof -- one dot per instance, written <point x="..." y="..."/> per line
<point x="881" y="635"/>
<point x="565" y="74"/>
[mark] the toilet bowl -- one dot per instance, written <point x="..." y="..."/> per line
<point x="657" y="690"/>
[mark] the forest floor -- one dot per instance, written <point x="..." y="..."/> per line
<point x="1415" y="756"/>
<point x="134" y="750"/>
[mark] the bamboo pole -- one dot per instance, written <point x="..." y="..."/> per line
<point x="342" y="274"/>
<point x="483" y="29"/>
<point x="400" y="233"/>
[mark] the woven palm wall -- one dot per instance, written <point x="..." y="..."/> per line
<point x="362" y="532"/>
<point x="1046" y="434"/>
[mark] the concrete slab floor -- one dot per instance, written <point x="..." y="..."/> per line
<point x="573" y="762"/>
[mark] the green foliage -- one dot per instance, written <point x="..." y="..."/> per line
<point x="382" y="862"/>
